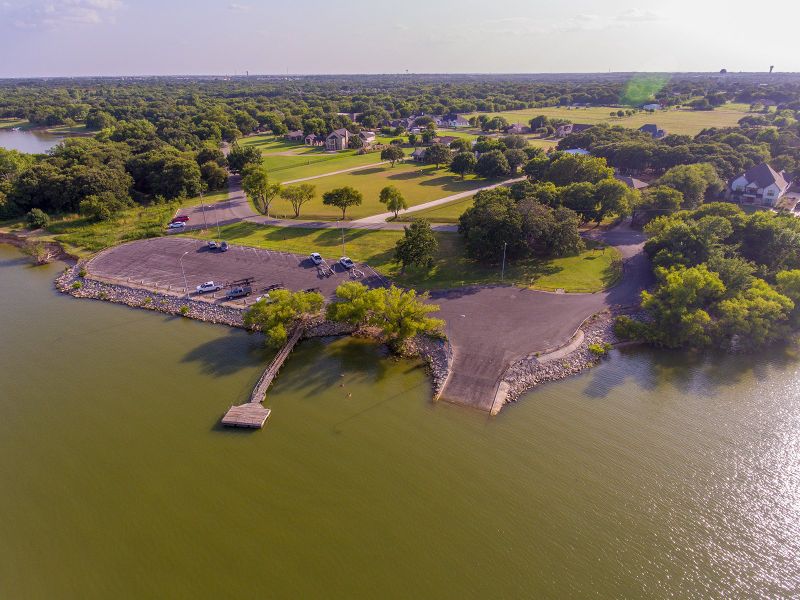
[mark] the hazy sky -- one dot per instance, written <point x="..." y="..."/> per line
<point x="135" y="37"/>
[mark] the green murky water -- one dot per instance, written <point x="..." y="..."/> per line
<point x="652" y="476"/>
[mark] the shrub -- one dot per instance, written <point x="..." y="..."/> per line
<point x="626" y="328"/>
<point x="147" y="301"/>
<point x="82" y="272"/>
<point x="600" y="349"/>
<point x="184" y="310"/>
<point x="76" y="285"/>
<point x="37" y="218"/>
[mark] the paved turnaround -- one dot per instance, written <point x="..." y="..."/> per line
<point x="489" y="327"/>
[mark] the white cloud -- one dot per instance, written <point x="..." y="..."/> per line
<point x="239" y="7"/>
<point x="53" y="14"/>
<point x="514" y="26"/>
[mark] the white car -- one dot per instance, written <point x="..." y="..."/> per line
<point x="265" y="297"/>
<point x="176" y="225"/>
<point x="208" y="286"/>
<point x="316" y="258"/>
<point x="346" y="262"/>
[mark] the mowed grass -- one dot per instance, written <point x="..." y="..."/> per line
<point x="418" y="184"/>
<point x="590" y="271"/>
<point x="444" y="213"/>
<point x="688" y="122"/>
<point x="280" y="169"/>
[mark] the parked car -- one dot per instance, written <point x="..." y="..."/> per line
<point x="181" y="219"/>
<point x="346" y="262"/>
<point x="176" y="225"/>
<point x="208" y="286"/>
<point x="212" y="245"/>
<point x="316" y="258"/>
<point x="223" y="246"/>
<point x="239" y="291"/>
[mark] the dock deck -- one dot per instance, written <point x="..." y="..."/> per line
<point x="251" y="415"/>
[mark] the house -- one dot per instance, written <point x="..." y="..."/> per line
<point x="314" y="140"/>
<point x="631" y="182"/>
<point x="337" y="140"/>
<point x="444" y="140"/>
<point x="454" y="121"/>
<point x="653" y="106"/>
<point x="368" y="137"/>
<point x="295" y="136"/>
<point x="653" y="131"/>
<point x="759" y="185"/>
<point x="517" y="129"/>
<point x="418" y="155"/>
<point x="565" y="130"/>
<point x="353" y="116"/>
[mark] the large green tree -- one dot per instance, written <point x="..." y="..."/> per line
<point x="393" y="199"/>
<point x="418" y="246"/>
<point x="343" y="198"/>
<point x="276" y="315"/>
<point x="258" y="187"/>
<point x="298" y="194"/>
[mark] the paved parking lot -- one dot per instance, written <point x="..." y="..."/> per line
<point x="157" y="262"/>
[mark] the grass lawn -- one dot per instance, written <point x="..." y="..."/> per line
<point x="590" y="271"/>
<point x="290" y="168"/>
<point x="444" y="213"/>
<point x="8" y="123"/>
<point x="418" y="183"/>
<point x="689" y="122"/>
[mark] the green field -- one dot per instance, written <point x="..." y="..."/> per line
<point x="418" y="183"/>
<point x="8" y="123"/>
<point x="444" y="213"/>
<point x="688" y="122"/>
<point x="591" y="271"/>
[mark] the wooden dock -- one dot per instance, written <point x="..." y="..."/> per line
<point x="253" y="414"/>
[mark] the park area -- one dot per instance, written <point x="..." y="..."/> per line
<point x="595" y="269"/>
<point x="418" y="184"/>
<point x="680" y="121"/>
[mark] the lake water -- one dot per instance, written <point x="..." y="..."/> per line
<point x="32" y="142"/>
<point x="654" y="475"/>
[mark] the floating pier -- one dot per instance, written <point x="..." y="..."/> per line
<point x="252" y="414"/>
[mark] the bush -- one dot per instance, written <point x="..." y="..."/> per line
<point x="184" y="310"/>
<point x="626" y="328"/>
<point x="37" y="218"/>
<point x="76" y="285"/>
<point x="82" y="272"/>
<point x="600" y="349"/>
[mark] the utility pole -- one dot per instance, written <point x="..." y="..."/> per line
<point x="203" y="210"/>
<point x="341" y="226"/>
<point x="503" y="271"/>
<point x="185" y="283"/>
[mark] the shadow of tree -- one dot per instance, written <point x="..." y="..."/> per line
<point x="226" y="355"/>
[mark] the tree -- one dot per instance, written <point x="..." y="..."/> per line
<point x="463" y="163"/>
<point x="37" y="218"/>
<point x="536" y="168"/>
<point x="515" y="158"/>
<point x="437" y="155"/>
<point x="393" y="199"/>
<point x="280" y="312"/>
<point x="103" y="206"/>
<point x="392" y="153"/>
<point x="417" y="247"/>
<point x="754" y="317"/>
<point x="492" y="164"/>
<point x="399" y="314"/>
<point x="678" y="306"/>
<point x="550" y="232"/>
<point x="257" y="186"/>
<point x="576" y="168"/>
<point x="614" y="198"/>
<point x="343" y="198"/>
<point x="298" y="195"/>
<point x="581" y="198"/>
<point x="693" y="181"/>
<point x="492" y="221"/>
<point x="412" y="139"/>
<point x="214" y="176"/>
<point x="240" y="158"/>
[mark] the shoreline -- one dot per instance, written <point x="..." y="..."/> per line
<point x="437" y="353"/>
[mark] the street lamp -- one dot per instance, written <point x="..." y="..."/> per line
<point x="185" y="283"/>
<point x="503" y="272"/>
<point x="203" y="209"/>
<point x="341" y="226"/>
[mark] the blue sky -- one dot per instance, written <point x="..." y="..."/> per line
<point x="140" y="37"/>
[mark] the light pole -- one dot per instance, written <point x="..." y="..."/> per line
<point x="503" y="271"/>
<point x="341" y="226"/>
<point x="185" y="283"/>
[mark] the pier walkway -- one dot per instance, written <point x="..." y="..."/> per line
<point x="253" y="414"/>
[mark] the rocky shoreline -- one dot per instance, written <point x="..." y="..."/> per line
<point x="533" y="370"/>
<point x="437" y="353"/>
